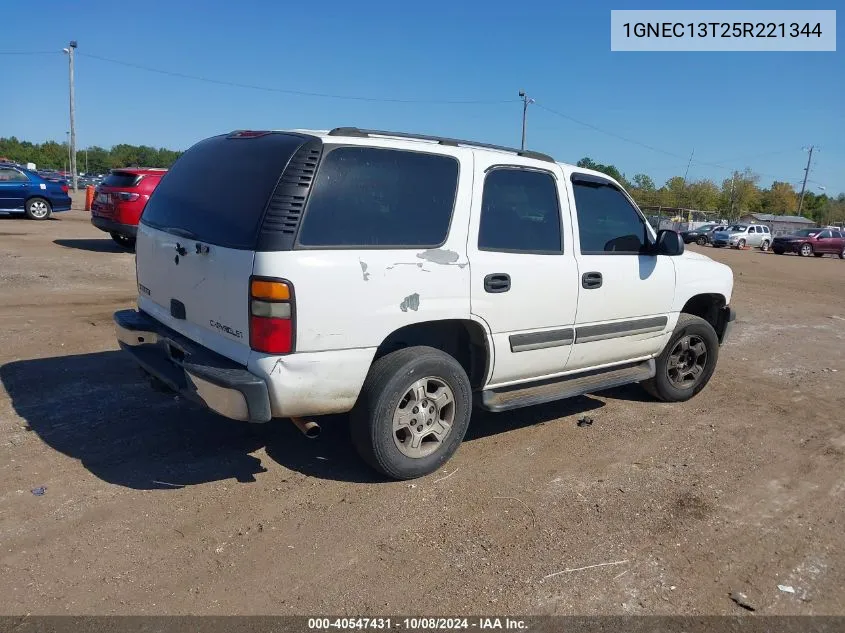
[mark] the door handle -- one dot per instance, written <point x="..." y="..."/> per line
<point x="497" y="282"/>
<point x="591" y="280"/>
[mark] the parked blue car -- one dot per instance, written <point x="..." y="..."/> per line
<point x="24" y="191"/>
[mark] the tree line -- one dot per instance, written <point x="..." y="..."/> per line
<point x="732" y="198"/>
<point x="52" y="155"/>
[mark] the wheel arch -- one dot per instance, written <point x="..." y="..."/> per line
<point x="467" y="340"/>
<point x="708" y="306"/>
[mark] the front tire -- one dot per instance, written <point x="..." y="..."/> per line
<point x="412" y="413"/>
<point x="124" y="240"/>
<point x="688" y="361"/>
<point x="740" y="244"/>
<point x="806" y="250"/>
<point x="38" y="209"/>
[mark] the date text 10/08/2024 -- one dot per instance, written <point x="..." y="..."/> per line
<point x="418" y="624"/>
<point x="721" y="29"/>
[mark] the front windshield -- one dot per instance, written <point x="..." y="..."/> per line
<point x="806" y="232"/>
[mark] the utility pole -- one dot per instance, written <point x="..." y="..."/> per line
<point x="804" y="185"/>
<point x="70" y="50"/>
<point x="684" y="186"/>
<point x="67" y="141"/>
<point x="525" y="101"/>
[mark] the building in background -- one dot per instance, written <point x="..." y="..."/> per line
<point x="779" y="224"/>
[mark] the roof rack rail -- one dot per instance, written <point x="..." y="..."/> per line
<point x="454" y="142"/>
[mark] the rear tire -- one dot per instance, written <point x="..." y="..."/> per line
<point x="764" y="246"/>
<point x="677" y="382"/>
<point x="842" y="254"/>
<point x="701" y="241"/>
<point x="387" y="422"/>
<point x="124" y="240"/>
<point x="38" y="209"/>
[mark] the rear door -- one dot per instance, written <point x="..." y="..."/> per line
<point x="523" y="273"/>
<point x="825" y="243"/>
<point x="198" y="233"/>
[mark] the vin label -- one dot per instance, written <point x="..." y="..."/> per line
<point x="728" y="30"/>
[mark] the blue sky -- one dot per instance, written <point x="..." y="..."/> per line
<point x="734" y="109"/>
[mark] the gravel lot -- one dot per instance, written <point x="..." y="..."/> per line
<point x="155" y="506"/>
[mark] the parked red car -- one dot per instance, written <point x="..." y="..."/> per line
<point x="808" y="242"/>
<point x="120" y="199"/>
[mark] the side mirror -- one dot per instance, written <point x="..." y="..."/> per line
<point x="669" y="243"/>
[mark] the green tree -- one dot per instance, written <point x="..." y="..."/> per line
<point x="780" y="199"/>
<point x="643" y="182"/>
<point x="703" y="195"/>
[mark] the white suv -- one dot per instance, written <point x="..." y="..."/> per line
<point x="406" y="279"/>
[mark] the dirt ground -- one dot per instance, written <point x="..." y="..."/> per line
<point x="153" y="506"/>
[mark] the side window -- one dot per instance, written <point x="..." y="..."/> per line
<point x="823" y="235"/>
<point x="520" y="213"/>
<point x="12" y="175"/>
<point x="607" y="221"/>
<point x="372" y="197"/>
<point x="765" y="229"/>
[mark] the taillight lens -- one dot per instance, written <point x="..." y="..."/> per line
<point x="65" y="188"/>
<point x="270" y="316"/>
<point x="127" y="196"/>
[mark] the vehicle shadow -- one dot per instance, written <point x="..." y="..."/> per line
<point x="99" y="409"/>
<point x="93" y="245"/>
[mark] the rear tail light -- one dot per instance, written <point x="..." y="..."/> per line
<point x="127" y="197"/>
<point x="65" y="188"/>
<point x="271" y="316"/>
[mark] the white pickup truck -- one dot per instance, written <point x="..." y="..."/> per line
<point x="406" y="279"/>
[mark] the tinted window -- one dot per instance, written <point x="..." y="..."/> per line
<point x="121" y="179"/>
<point x="218" y="190"/>
<point x="607" y="222"/>
<point x="520" y="212"/>
<point x="371" y="197"/>
<point x="824" y="235"/>
<point x="765" y="229"/>
<point x="12" y="175"/>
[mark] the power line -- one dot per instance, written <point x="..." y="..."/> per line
<point x="608" y="132"/>
<point x="301" y="93"/>
<point x="645" y="145"/>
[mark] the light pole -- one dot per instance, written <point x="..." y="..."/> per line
<point x="72" y="146"/>
<point x="67" y="141"/>
<point x="525" y="101"/>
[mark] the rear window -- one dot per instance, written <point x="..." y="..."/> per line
<point x="217" y="191"/>
<point x="121" y="179"/>
<point x="370" y="197"/>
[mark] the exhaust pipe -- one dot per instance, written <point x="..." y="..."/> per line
<point x="309" y="428"/>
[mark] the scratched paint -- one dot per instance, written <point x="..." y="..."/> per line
<point x="364" y="272"/>
<point x="439" y="256"/>
<point x="411" y="301"/>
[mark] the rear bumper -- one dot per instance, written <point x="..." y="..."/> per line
<point x="727" y="316"/>
<point x="61" y="203"/>
<point x="191" y="369"/>
<point x="110" y="226"/>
